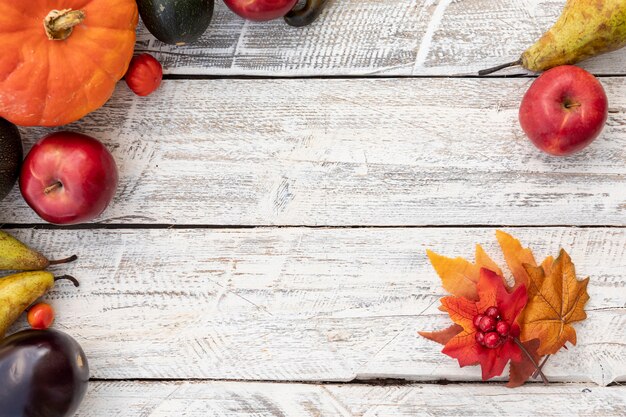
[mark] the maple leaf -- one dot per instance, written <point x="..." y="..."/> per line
<point x="516" y="256"/>
<point x="559" y="300"/>
<point x="520" y="371"/>
<point x="463" y="347"/>
<point x="556" y="299"/>
<point x="459" y="276"/>
<point x="442" y="336"/>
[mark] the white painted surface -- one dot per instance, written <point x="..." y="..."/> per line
<point x="235" y="399"/>
<point x="347" y="152"/>
<point x="303" y="304"/>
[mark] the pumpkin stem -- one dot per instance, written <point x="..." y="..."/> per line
<point x="59" y="24"/>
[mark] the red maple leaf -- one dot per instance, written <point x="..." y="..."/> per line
<point x="463" y="346"/>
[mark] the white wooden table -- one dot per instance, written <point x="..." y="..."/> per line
<point x="265" y="253"/>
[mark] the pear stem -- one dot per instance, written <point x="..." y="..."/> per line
<point x="530" y="357"/>
<point x="69" y="278"/>
<point x="500" y="67"/>
<point x="63" y="261"/>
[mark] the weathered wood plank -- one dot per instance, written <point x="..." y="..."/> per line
<point x="347" y="152"/>
<point x="238" y="399"/>
<point x="373" y="37"/>
<point x="303" y="304"/>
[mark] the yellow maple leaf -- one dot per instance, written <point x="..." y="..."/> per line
<point x="516" y="256"/>
<point x="459" y="276"/>
<point x="559" y="300"/>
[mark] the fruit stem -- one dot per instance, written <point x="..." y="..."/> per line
<point x="69" y="278"/>
<point x="499" y="67"/>
<point x="59" y="24"/>
<point x="532" y="360"/>
<point x="64" y="261"/>
<point x="52" y="187"/>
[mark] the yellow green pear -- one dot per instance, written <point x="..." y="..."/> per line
<point x="19" y="291"/>
<point x="586" y="28"/>
<point x="16" y="256"/>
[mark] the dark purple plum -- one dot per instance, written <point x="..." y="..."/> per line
<point x="43" y="373"/>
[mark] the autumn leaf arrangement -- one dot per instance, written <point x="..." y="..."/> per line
<point x="496" y="323"/>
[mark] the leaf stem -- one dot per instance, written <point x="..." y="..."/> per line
<point x="543" y="362"/>
<point x="532" y="360"/>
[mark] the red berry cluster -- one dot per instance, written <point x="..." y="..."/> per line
<point x="491" y="330"/>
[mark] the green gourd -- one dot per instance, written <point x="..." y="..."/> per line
<point x="11" y="156"/>
<point x="176" y="22"/>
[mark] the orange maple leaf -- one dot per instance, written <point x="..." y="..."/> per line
<point x="558" y="301"/>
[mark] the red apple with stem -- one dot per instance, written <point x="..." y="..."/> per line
<point x="564" y="110"/>
<point x="261" y="10"/>
<point x="68" y="178"/>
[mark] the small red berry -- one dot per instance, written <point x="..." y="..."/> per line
<point x="492" y="340"/>
<point x="487" y="324"/>
<point x="477" y="320"/>
<point x="144" y="74"/>
<point x="503" y="328"/>
<point x="492" y="312"/>
<point x="40" y="316"/>
<point x="480" y="338"/>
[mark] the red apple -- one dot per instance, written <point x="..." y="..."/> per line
<point x="68" y="178"/>
<point x="261" y="10"/>
<point x="564" y="110"/>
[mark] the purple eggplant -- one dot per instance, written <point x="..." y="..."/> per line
<point x="43" y="373"/>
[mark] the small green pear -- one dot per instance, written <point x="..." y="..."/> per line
<point x="19" y="291"/>
<point x="16" y="256"/>
<point x="586" y="28"/>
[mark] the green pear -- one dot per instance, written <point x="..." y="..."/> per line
<point x="16" y="256"/>
<point x="19" y="291"/>
<point x="586" y="28"/>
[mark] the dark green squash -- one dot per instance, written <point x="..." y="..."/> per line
<point x="176" y="22"/>
<point x="11" y="156"/>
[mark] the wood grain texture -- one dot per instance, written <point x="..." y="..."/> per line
<point x="347" y="152"/>
<point x="230" y="399"/>
<point x="373" y="37"/>
<point x="303" y="304"/>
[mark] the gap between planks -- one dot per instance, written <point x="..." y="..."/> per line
<point x="156" y="226"/>
<point x="193" y="77"/>
<point x="374" y="382"/>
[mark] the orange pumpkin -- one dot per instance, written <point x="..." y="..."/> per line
<point x="61" y="59"/>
